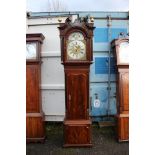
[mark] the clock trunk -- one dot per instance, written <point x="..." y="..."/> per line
<point x="76" y="94"/>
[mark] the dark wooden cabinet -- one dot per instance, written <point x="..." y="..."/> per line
<point x="121" y="51"/>
<point x="76" y="56"/>
<point x="34" y="115"/>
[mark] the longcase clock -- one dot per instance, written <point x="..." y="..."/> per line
<point x="76" y="56"/>
<point x="34" y="115"/>
<point x="121" y="50"/>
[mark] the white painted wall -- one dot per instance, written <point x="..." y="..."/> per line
<point x="52" y="71"/>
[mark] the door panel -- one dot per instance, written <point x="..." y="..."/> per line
<point x="32" y="88"/>
<point x="77" y="89"/>
<point x="125" y="91"/>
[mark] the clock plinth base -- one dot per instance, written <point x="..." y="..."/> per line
<point x="35" y="127"/>
<point x="122" y="127"/>
<point x="77" y="133"/>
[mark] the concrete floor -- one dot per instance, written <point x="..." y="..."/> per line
<point x="104" y="143"/>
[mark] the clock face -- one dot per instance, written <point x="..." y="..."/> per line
<point x="76" y="47"/>
<point x="124" y="52"/>
<point x="31" y="51"/>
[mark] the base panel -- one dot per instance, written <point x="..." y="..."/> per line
<point x="35" y="128"/>
<point x="77" y="133"/>
<point x="122" y="128"/>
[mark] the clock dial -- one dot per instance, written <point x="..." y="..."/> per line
<point x="124" y="52"/>
<point x="31" y="51"/>
<point x="76" y="48"/>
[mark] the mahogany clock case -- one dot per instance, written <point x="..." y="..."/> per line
<point x="77" y="123"/>
<point x="35" y="130"/>
<point x="122" y="89"/>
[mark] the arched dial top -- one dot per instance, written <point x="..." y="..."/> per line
<point x="31" y="51"/>
<point x="124" y="52"/>
<point x="76" y="46"/>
